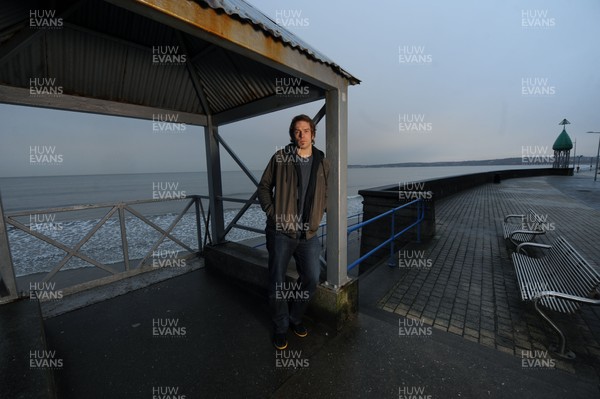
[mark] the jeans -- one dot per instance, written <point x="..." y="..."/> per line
<point x="288" y="301"/>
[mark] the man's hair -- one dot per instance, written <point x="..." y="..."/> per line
<point x="302" y="118"/>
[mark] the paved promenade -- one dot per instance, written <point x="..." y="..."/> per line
<point x="471" y="289"/>
<point x="467" y="347"/>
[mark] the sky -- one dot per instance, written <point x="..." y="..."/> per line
<point x="440" y="81"/>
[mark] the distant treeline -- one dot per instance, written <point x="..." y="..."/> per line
<point x="503" y="161"/>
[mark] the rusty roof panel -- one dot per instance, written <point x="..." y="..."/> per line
<point x="247" y="12"/>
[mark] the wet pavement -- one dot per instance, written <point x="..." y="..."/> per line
<point x="456" y="329"/>
<point x="471" y="290"/>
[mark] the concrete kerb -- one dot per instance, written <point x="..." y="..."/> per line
<point x="99" y="290"/>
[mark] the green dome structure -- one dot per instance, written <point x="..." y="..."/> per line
<point x="563" y="142"/>
<point x="562" y="148"/>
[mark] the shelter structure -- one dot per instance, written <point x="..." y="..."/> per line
<point x="207" y="62"/>
<point x="562" y="148"/>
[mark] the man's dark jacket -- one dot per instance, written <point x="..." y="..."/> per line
<point x="278" y="192"/>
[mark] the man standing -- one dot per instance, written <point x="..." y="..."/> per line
<point x="293" y="194"/>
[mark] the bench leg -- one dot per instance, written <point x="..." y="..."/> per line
<point x="561" y="350"/>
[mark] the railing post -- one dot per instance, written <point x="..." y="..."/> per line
<point x="8" y="283"/>
<point x="215" y="188"/>
<point x="198" y="226"/>
<point x="419" y="219"/>
<point x="124" y="236"/>
<point x="391" y="262"/>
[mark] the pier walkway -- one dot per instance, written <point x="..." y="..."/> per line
<point x="469" y="345"/>
<point x="471" y="289"/>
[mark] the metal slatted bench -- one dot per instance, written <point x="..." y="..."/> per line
<point x="529" y="226"/>
<point x="561" y="281"/>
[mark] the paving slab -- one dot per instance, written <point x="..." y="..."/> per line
<point x="471" y="263"/>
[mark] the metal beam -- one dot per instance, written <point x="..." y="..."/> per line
<point x="336" y="142"/>
<point x="265" y="106"/>
<point x="21" y="96"/>
<point x="237" y="160"/>
<point x="194" y="76"/>
<point x="215" y="187"/>
<point x="239" y="200"/>
<point x="7" y="272"/>
<point x="320" y="114"/>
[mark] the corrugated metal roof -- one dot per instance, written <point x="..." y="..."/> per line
<point x="10" y="15"/>
<point x="106" y="63"/>
<point x="247" y="12"/>
<point x="106" y="52"/>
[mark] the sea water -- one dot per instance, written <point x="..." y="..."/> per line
<point x="32" y="195"/>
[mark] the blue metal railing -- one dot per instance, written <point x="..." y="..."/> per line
<point x="323" y="232"/>
<point x="393" y="236"/>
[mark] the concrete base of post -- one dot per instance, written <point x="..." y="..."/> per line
<point x="335" y="307"/>
<point x="331" y="307"/>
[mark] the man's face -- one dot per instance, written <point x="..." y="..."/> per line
<point x="303" y="135"/>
